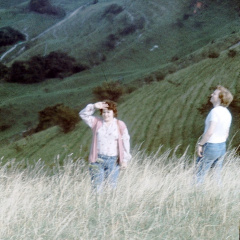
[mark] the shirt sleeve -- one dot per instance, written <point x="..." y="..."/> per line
<point x="126" y="145"/>
<point x="213" y="116"/>
<point x="86" y="115"/>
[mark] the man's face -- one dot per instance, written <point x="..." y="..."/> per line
<point x="215" y="97"/>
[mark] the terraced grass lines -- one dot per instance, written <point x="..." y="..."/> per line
<point x="158" y="128"/>
<point x="137" y="122"/>
<point x="172" y="118"/>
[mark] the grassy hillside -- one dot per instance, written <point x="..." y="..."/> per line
<point x="135" y="28"/>
<point x="162" y="114"/>
<point x="128" y="40"/>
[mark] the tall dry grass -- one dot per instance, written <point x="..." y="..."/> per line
<point x="155" y="199"/>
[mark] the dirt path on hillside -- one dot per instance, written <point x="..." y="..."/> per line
<point x="14" y="47"/>
<point x="60" y="23"/>
<point x="41" y="34"/>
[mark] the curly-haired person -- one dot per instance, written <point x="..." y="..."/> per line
<point x="110" y="149"/>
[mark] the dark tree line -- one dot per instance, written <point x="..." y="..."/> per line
<point x="45" y="7"/>
<point x="38" y="68"/>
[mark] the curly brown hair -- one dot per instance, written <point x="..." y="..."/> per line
<point x="225" y="96"/>
<point x="111" y="106"/>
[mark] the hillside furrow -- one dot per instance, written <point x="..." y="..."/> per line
<point x="159" y="124"/>
<point x="138" y="123"/>
<point x="167" y="126"/>
<point x="153" y="129"/>
<point x="82" y="141"/>
<point x="182" y="126"/>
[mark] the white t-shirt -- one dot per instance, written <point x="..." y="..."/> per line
<point x="223" y="118"/>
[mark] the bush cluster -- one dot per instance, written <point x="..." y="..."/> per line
<point x="213" y="55"/>
<point x="4" y="127"/>
<point x="232" y="53"/>
<point x="3" y="70"/>
<point x="111" y="90"/>
<point x="58" y="115"/>
<point x="45" y="7"/>
<point x="6" y="120"/>
<point x="125" y="26"/>
<point x="9" y="36"/>
<point x="128" y="27"/>
<point x="38" y="68"/>
<point x="111" y="41"/>
<point x="149" y="79"/>
<point x="112" y="9"/>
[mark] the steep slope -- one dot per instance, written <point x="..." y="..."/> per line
<point x="127" y="40"/>
<point x="162" y="113"/>
<point x="131" y="34"/>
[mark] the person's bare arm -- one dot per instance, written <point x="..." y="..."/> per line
<point x="205" y="138"/>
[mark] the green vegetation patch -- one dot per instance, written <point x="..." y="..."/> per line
<point x="9" y="36"/>
<point x="37" y="69"/>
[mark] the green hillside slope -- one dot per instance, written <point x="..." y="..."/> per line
<point x="127" y="40"/>
<point x="160" y="114"/>
<point x="125" y="32"/>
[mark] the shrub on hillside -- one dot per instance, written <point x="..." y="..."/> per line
<point x="130" y="88"/>
<point x="112" y="9"/>
<point x="174" y="58"/>
<point x="3" y="70"/>
<point x="178" y="24"/>
<point x="23" y="72"/>
<point x="109" y="90"/>
<point x="128" y="29"/>
<point x="57" y="63"/>
<point x="111" y="41"/>
<point x="232" y="53"/>
<point x="160" y="76"/>
<point x="4" y="127"/>
<point x="9" y="36"/>
<point x="45" y="7"/>
<point x="38" y="68"/>
<point x="6" y="120"/>
<point x="149" y="79"/>
<point x="60" y="115"/>
<point x="213" y="55"/>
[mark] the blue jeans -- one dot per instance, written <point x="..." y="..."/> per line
<point x="104" y="170"/>
<point x="213" y="155"/>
